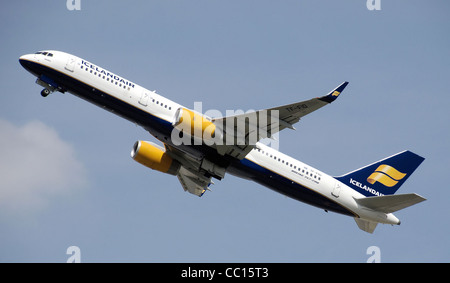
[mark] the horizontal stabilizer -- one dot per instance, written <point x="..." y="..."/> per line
<point x="390" y="203"/>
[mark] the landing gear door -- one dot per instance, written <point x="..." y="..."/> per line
<point x="337" y="189"/>
<point x="70" y="65"/>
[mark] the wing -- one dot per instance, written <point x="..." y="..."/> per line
<point x="291" y="114"/>
<point x="240" y="133"/>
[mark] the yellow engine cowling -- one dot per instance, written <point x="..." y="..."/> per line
<point x="154" y="157"/>
<point x="194" y="124"/>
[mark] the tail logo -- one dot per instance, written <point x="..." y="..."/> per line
<point x="386" y="175"/>
<point x="335" y="93"/>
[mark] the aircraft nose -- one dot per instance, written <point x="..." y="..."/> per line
<point x="26" y="57"/>
<point x="26" y="61"/>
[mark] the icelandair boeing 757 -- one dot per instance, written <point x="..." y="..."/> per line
<point x="198" y="148"/>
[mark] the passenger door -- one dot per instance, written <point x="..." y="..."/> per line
<point x="144" y="98"/>
<point x="70" y="65"/>
<point x="337" y="189"/>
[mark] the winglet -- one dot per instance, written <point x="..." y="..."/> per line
<point x="330" y="97"/>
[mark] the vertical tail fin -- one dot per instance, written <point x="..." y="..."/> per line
<point x="383" y="177"/>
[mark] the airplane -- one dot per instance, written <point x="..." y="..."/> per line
<point x="212" y="147"/>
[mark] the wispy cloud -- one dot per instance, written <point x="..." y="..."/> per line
<point x="35" y="166"/>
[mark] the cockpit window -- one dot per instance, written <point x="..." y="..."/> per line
<point x="45" y="53"/>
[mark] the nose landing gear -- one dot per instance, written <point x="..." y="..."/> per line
<point x="45" y="92"/>
<point x="49" y="85"/>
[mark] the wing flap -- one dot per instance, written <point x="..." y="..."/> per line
<point x="193" y="183"/>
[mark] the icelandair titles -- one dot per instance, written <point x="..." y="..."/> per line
<point x="364" y="187"/>
<point x="106" y="73"/>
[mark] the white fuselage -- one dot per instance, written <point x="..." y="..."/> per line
<point x="263" y="164"/>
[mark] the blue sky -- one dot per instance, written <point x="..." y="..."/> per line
<point x="67" y="179"/>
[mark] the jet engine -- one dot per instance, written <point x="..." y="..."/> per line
<point x="154" y="157"/>
<point x="194" y="124"/>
